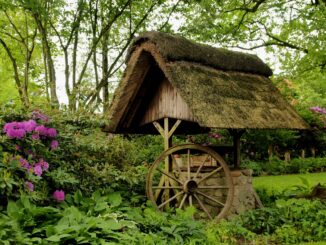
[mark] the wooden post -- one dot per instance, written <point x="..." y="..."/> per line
<point x="166" y="143"/>
<point x="236" y="133"/>
<point x="167" y="133"/>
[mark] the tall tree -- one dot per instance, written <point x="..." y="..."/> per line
<point x="18" y="40"/>
<point x="292" y="31"/>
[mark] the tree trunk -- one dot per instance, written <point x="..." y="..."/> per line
<point x="49" y="60"/>
<point x="105" y="68"/>
<point x="313" y="151"/>
<point x="287" y="156"/>
<point x="303" y="153"/>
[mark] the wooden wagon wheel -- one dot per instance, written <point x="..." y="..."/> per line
<point x="208" y="188"/>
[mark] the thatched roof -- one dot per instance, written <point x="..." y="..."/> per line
<point x="223" y="89"/>
<point x="177" y="48"/>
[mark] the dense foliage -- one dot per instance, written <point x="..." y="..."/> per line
<point x="89" y="188"/>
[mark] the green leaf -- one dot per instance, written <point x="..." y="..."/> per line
<point x="304" y="181"/>
<point x="110" y="225"/>
<point x="114" y="199"/>
<point x="13" y="210"/>
<point x="25" y="201"/>
<point x="78" y="196"/>
<point x="57" y="238"/>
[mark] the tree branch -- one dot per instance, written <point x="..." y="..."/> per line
<point x="95" y="43"/>
<point x="92" y="95"/>
<point x="281" y="42"/>
<point x="15" y="28"/>
<point x="170" y="14"/>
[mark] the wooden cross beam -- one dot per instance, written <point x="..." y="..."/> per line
<point x="167" y="133"/>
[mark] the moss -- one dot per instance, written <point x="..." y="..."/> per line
<point x="177" y="48"/>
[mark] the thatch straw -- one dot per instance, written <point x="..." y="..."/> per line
<point x="221" y="99"/>
<point x="177" y="48"/>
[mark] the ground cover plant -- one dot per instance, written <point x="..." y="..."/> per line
<point x="91" y="191"/>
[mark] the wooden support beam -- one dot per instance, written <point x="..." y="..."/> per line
<point x="167" y="159"/>
<point x="159" y="128"/>
<point x="175" y="126"/>
<point x="236" y="133"/>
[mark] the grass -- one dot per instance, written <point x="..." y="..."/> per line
<point x="280" y="182"/>
<point x="313" y="243"/>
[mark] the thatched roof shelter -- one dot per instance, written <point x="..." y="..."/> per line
<point x="206" y="87"/>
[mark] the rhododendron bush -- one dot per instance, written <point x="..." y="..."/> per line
<point x="24" y="168"/>
<point x="49" y="155"/>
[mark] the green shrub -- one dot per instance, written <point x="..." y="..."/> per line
<point x="306" y="165"/>
<point x="226" y="232"/>
<point x="275" y="166"/>
<point x="255" y="166"/>
<point x="293" y="220"/>
<point x="267" y="197"/>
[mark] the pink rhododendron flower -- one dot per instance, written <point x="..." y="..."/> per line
<point x="216" y="136"/>
<point x="13" y="133"/>
<point x="29" y="185"/>
<point x="11" y="125"/>
<point x="41" y="130"/>
<point x="38" y="169"/>
<point x="318" y="109"/>
<point x="29" y="126"/>
<point x="35" y="137"/>
<point x="59" y="195"/>
<point x="24" y="163"/>
<point x="18" y="130"/>
<point x="43" y="164"/>
<point x="39" y="115"/>
<point x="51" y="132"/>
<point x="54" y="144"/>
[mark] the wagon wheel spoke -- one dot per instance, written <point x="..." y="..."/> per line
<point x="170" y="176"/>
<point x="176" y="164"/>
<point x="158" y="191"/>
<point x="210" y="174"/>
<point x="190" y="200"/>
<point x="200" y="167"/>
<point x="183" y="200"/>
<point x="167" y="187"/>
<point x="213" y="187"/>
<point x="170" y="199"/>
<point x="188" y="164"/>
<point x="202" y="206"/>
<point x="210" y="198"/>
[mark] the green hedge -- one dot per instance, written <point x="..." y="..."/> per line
<point x="278" y="167"/>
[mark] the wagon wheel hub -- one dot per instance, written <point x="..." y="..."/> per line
<point x="190" y="186"/>
<point x="187" y="182"/>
